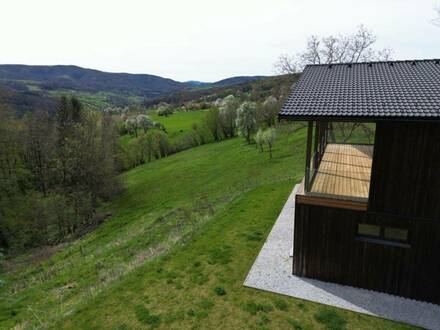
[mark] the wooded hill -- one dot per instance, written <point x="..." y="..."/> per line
<point x="26" y="88"/>
<point x="70" y="77"/>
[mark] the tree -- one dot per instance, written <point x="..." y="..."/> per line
<point x="159" y="126"/>
<point x="39" y="148"/>
<point x="162" y="144"/>
<point x="246" y="120"/>
<point x="228" y="114"/>
<point x="144" y="122"/>
<point x="213" y="122"/>
<point x="164" y="109"/>
<point x="269" y="137"/>
<point x="54" y="171"/>
<point x="436" y="20"/>
<point x="131" y="126"/>
<point x="269" y="111"/>
<point x="259" y="139"/>
<point x="334" y="49"/>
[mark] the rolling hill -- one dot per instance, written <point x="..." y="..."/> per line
<point x="174" y="254"/>
<point x="70" y="77"/>
<point x="224" y="82"/>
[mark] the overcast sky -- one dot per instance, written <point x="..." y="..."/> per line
<point x="201" y="39"/>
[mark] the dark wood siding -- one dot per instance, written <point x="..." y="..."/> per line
<point x="405" y="177"/>
<point x="326" y="247"/>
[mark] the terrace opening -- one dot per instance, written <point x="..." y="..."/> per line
<point x="339" y="159"/>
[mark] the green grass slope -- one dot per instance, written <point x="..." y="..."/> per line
<point x="180" y="122"/>
<point x="176" y="251"/>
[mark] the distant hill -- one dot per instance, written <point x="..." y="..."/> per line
<point x="196" y="83"/>
<point x="19" y="99"/>
<point x="224" y="82"/>
<point x="28" y="87"/>
<point x="69" y="77"/>
<point x="258" y="88"/>
<point x="236" y="80"/>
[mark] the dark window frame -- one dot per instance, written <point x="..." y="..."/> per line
<point x="381" y="239"/>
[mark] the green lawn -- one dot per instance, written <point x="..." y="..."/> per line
<point x="176" y="251"/>
<point x="180" y="122"/>
<point x="177" y="125"/>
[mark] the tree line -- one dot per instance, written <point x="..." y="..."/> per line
<point x="231" y="117"/>
<point x="55" y="169"/>
<point x="227" y="118"/>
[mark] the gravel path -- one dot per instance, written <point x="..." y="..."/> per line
<point x="272" y="269"/>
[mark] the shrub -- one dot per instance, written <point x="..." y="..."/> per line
<point x="165" y="109"/>
<point x="220" y="291"/>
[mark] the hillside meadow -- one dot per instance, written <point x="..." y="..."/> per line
<point x="176" y="249"/>
<point x="180" y="122"/>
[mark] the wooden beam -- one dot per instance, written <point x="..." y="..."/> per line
<point x="308" y="155"/>
<point x="316" y="146"/>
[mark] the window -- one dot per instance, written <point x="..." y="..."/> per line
<point x="383" y="235"/>
<point x="396" y="234"/>
<point x="368" y="230"/>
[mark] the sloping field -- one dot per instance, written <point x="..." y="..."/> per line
<point x="176" y="250"/>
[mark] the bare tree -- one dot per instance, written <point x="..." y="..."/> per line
<point x="288" y="64"/>
<point x="334" y="49"/>
<point x="357" y="47"/>
<point x="436" y="20"/>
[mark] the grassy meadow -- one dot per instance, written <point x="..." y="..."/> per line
<point x="177" y="125"/>
<point x="180" y="122"/>
<point x="174" y="254"/>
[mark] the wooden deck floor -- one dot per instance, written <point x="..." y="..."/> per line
<point x="344" y="171"/>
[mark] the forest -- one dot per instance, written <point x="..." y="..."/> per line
<point x="55" y="169"/>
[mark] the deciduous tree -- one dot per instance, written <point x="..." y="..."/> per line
<point x="228" y="115"/>
<point x="269" y="137"/>
<point x="334" y="49"/>
<point x="247" y="120"/>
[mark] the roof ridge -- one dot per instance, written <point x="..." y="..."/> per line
<point x="376" y="62"/>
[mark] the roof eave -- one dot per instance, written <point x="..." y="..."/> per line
<point x="357" y="118"/>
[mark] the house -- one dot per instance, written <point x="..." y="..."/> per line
<point x="368" y="215"/>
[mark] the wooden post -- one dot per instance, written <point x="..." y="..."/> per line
<point x="316" y="146"/>
<point x="308" y="156"/>
<point x="321" y="140"/>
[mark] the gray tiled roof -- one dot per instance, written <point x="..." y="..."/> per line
<point x="374" y="90"/>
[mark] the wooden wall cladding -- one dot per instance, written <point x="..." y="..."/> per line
<point x="405" y="177"/>
<point x="327" y="247"/>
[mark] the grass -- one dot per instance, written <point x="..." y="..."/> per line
<point x="180" y="122"/>
<point x="96" y="101"/>
<point x="177" y="125"/>
<point x="176" y="251"/>
<point x="330" y="319"/>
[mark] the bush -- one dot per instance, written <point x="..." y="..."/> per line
<point x="220" y="291"/>
<point x="165" y="110"/>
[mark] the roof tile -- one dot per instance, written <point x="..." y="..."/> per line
<point x="368" y="90"/>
